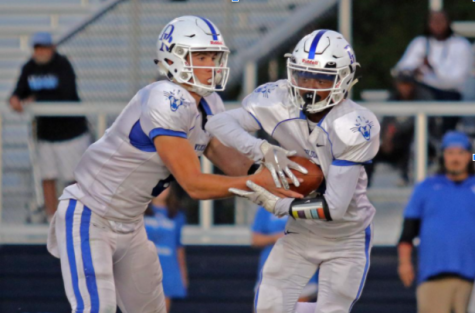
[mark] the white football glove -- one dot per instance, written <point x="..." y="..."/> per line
<point x="260" y="196"/>
<point x="277" y="162"/>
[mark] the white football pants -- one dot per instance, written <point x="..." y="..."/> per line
<point x="105" y="264"/>
<point x="343" y="264"/>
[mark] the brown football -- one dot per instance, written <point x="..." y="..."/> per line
<point x="312" y="180"/>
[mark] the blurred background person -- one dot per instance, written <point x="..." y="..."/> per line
<point x="398" y="131"/>
<point x="441" y="214"/>
<point x="164" y="222"/>
<point x="47" y="77"/>
<point x="440" y="61"/>
<point x="266" y="230"/>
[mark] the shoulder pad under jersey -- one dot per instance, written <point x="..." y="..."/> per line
<point x="355" y="133"/>
<point x="269" y="104"/>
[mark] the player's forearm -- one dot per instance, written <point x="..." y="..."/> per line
<point x="201" y="186"/>
<point x="404" y="250"/>
<point x="231" y="128"/>
<point x="227" y="159"/>
<point x="341" y="186"/>
<point x="261" y="240"/>
<point x="182" y="263"/>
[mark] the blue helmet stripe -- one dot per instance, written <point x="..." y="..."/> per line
<point x="313" y="47"/>
<point x="211" y="27"/>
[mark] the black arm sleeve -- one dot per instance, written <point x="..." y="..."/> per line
<point x="410" y="230"/>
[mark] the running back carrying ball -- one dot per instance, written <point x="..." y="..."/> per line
<point x="311" y="181"/>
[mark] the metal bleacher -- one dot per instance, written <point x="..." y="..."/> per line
<point x="113" y="58"/>
<point x="19" y="19"/>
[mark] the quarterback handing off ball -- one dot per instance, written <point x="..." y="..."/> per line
<point x="311" y="181"/>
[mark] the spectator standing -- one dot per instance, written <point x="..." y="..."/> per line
<point x="440" y="61"/>
<point x="164" y="222"/>
<point x="48" y="76"/>
<point x="441" y="212"/>
<point x="398" y="132"/>
<point x="266" y="230"/>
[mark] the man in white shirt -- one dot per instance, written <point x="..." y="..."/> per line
<point x="441" y="61"/>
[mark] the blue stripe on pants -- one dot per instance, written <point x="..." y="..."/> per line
<point x="365" y="273"/>
<point x="87" y="260"/>
<point x="71" y="255"/>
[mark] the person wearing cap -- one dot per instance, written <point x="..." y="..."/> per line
<point x="48" y="77"/>
<point x="441" y="213"/>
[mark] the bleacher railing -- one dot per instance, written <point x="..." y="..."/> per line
<point x="205" y="232"/>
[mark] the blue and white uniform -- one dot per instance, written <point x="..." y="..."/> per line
<point x="98" y="230"/>
<point x="346" y="138"/>
<point x="165" y="233"/>
<point x="268" y="224"/>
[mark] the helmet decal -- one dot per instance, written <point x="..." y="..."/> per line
<point x="313" y="47"/>
<point x="166" y="36"/>
<point x="211" y="28"/>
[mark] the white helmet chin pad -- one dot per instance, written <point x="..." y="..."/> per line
<point x="183" y="37"/>
<point x="321" y="63"/>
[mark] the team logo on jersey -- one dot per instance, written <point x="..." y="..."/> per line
<point x="363" y="126"/>
<point x="176" y="100"/>
<point x="266" y="89"/>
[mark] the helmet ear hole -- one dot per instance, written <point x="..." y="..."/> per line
<point x="170" y="62"/>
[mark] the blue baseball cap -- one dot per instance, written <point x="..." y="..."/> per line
<point x="456" y="139"/>
<point x="41" y="39"/>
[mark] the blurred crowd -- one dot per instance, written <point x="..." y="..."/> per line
<point x="436" y="66"/>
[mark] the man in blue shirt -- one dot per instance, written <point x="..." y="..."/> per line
<point x="164" y="222"/>
<point x="441" y="212"/>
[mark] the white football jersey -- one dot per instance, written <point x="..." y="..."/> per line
<point x="122" y="172"/>
<point x="347" y="135"/>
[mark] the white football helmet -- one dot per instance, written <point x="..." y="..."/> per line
<point x="326" y="55"/>
<point x="185" y="35"/>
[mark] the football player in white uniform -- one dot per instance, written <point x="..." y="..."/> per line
<point x="98" y="230"/>
<point x="310" y="113"/>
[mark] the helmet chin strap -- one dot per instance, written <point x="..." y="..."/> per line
<point x="354" y="82"/>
